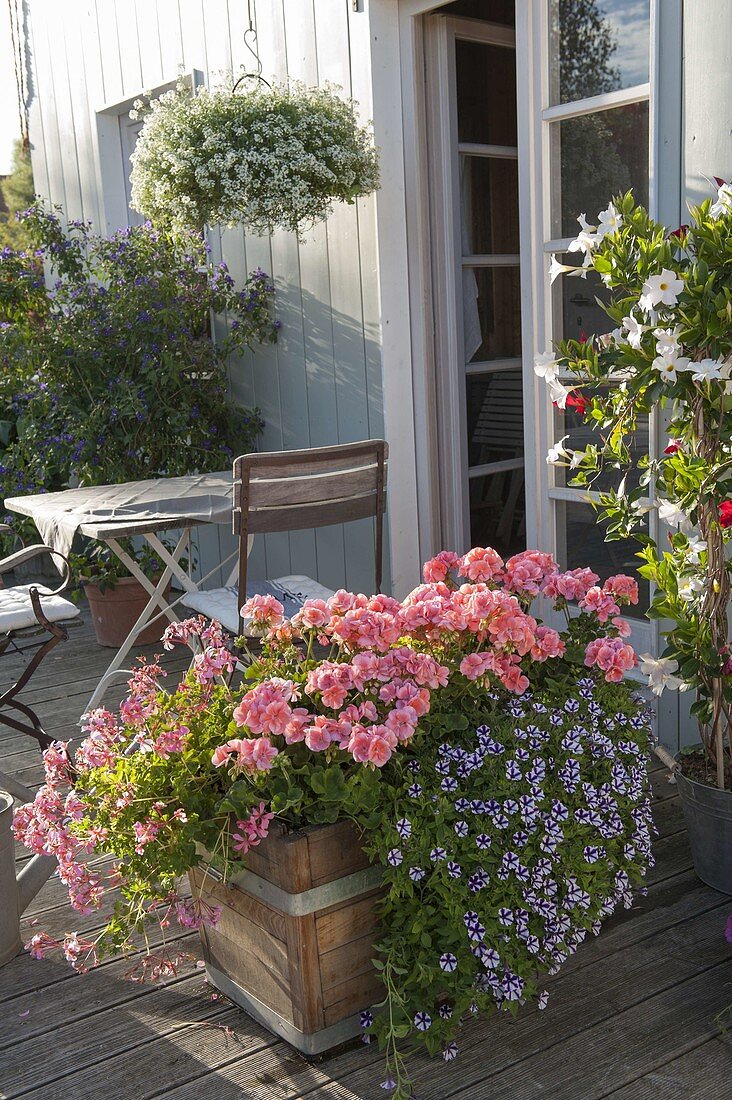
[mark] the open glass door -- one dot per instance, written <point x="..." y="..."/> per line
<point x="477" y="291"/>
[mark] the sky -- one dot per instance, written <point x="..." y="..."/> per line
<point x="630" y="21"/>
<point x="9" y="130"/>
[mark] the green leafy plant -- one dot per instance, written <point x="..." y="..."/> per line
<point x="670" y="296"/>
<point x="265" y="157"/>
<point x="496" y="770"/>
<point x="110" y="373"/>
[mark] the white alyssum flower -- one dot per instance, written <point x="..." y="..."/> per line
<point x="661" y="290"/>
<point x="661" y="673"/>
<point x="610" y="221"/>
<point x="265" y="158"/>
<point x="546" y="366"/>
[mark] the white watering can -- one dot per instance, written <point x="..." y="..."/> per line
<point x="16" y="894"/>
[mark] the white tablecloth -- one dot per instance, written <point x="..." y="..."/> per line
<point x="196" y="498"/>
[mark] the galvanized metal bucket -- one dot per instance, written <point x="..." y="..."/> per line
<point x="708" y="816"/>
<point x="9" y="928"/>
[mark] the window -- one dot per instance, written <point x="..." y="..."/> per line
<point x="596" y="130"/>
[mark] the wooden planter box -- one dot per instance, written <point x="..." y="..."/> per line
<point x="294" y="943"/>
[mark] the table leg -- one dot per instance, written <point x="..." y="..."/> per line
<point x="157" y="599"/>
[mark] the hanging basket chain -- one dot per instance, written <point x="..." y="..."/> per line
<point x="250" y="43"/>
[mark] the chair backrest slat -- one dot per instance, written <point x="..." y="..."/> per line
<point x="318" y="487"/>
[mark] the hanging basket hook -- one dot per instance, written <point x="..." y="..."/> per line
<point x="250" y="42"/>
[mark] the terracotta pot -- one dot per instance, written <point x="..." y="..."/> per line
<point x="294" y="942"/>
<point x="116" y="610"/>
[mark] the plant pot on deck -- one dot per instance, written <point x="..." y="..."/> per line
<point x="708" y="816"/>
<point x="116" y="610"/>
<point x="294" y="943"/>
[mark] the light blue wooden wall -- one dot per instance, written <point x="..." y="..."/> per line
<point x="321" y="384"/>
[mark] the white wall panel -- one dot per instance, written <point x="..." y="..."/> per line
<point x="321" y="384"/>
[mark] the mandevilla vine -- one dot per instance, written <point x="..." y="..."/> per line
<point x="670" y="295"/>
<point x="495" y="766"/>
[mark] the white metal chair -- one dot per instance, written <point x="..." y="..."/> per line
<point x="294" y="491"/>
<point x="32" y="618"/>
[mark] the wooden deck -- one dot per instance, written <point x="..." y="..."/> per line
<point x="630" y="1017"/>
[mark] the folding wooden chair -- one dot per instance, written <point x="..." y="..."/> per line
<point x="294" y="491"/>
<point x="32" y="619"/>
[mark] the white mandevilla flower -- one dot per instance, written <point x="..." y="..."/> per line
<point x="584" y="241"/>
<point x="689" y="587"/>
<point x="661" y="673"/>
<point x="696" y="546"/>
<point x="724" y="201"/>
<point x="707" y="370"/>
<point x="546" y="366"/>
<point x="672" y="515"/>
<point x="556" y="269"/>
<point x="669" y="365"/>
<point x="635" y="331"/>
<point x="558" y="455"/>
<point x="667" y="341"/>
<point x="558" y="393"/>
<point x="610" y="221"/>
<point x="661" y="290"/>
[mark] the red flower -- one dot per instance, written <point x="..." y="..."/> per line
<point x="719" y="182"/>
<point x="579" y="402"/>
<point x="674" y="445"/>
<point x="681" y="231"/>
<point x="725" y="513"/>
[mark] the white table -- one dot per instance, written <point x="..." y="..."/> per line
<point x="108" y="513"/>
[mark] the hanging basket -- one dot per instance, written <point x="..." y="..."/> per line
<point x="263" y="157"/>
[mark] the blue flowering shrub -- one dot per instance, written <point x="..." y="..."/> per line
<point x="108" y="371"/>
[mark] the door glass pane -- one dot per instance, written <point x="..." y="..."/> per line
<point x="581" y="541"/>
<point x="495" y="417"/>
<point x="495" y="11"/>
<point x="581" y="434"/>
<point x="491" y="313"/>
<point x="497" y="512"/>
<point x="489" y="201"/>
<point x="580" y="314"/>
<point x="595" y="157"/>
<point x="598" y="46"/>
<point x="486" y="93"/>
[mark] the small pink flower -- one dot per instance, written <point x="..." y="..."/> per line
<point x="599" y="603"/>
<point x="263" y="754"/>
<point x="612" y="656"/>
<point x="482" y="563"/>
<point x="622" y="588"/>
<point x="222" y="753"/>
<point x="475" y="665"/>
<point x="438" y="569"/>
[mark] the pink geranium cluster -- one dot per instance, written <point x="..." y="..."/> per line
<point x="387" y="656"/>
<point x="252" y="830"/>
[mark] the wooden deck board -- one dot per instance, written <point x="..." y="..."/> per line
<point x="633" y="1010"/>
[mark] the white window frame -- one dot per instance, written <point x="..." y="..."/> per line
<point x="536" y="115"/>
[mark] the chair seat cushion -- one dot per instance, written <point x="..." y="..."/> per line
<point x="16" y="610"/>
<point x="221" y="603"/>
